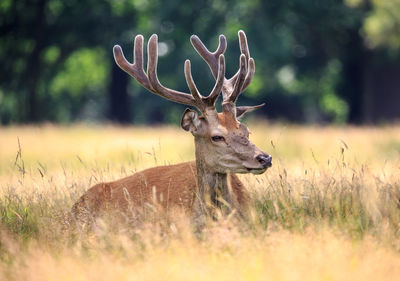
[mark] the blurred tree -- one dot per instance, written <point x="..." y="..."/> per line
<point x="381" y="30"/>
<point x="311" y="56"/>
<point x="308" y="48"/>
<point x="37" y="38"/>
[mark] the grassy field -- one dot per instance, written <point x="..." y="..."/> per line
<point x="328" y="209"/>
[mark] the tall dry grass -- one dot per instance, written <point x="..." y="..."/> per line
<point x="327" y="210"/>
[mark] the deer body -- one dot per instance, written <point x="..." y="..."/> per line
<point x="222" y="144"/>
<point x="168" y="187"/>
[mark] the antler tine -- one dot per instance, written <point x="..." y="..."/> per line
<point x="212" y="98"/>
<point x="250" y="74"/>
<point x="192" y="86"/>
<point x="231" y="89"/>
<point x="173" y="95"/>
<point x="209" y="57"/>
<point x="138" y="52"/>
<point x="250" y="67"/>
<point x="135" y="69"/>
<point x="237" y="88"/>
<point x="244" y="47"/>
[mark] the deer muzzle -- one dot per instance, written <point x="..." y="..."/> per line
<point x="265" y="160"/>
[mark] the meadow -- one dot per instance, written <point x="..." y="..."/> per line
<point x="328" y="209"/>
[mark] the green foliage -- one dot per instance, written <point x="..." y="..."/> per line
<point x="335" y="106"/>
<point x="86" y="70"/>
<point x="381" y="27"/>
<point x="255" y="88"/>
<point x="17" y="217"/>
<point x="51" y="54"/>
<point x="8" y="105"/>
<point x="330" y="102"/>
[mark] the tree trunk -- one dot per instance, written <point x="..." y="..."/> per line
<point x="119" y="99"/>
<point x="34" y="66"/>
<point x="354" y="66"/>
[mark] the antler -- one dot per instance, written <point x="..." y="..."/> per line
<point x="234" y="86"/>
<point x="150" y="80"/>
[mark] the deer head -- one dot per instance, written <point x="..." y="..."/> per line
<point x="222" y="142"/>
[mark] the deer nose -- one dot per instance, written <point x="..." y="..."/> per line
<point x="264" y="160"/>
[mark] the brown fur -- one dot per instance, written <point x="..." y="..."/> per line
<point x="228" y="121"/>
<point x="165" y="186"/>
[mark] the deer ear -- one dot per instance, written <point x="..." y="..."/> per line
<point x="190" y="121"/>
<point x="242" y="110"/>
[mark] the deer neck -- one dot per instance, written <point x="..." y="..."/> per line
<point x="209" y="182"/>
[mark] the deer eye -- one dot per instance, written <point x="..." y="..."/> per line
<point x="218" y="138"/>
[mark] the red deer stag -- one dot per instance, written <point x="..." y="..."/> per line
<point x="222" y="144"/>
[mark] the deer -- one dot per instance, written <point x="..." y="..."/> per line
<point x="222" y="145"/>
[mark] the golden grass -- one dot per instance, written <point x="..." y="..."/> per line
<point x="274" y="256"/>
<point x="327" y="210"/>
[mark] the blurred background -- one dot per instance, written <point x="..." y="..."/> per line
<point x="332" y="61"/>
